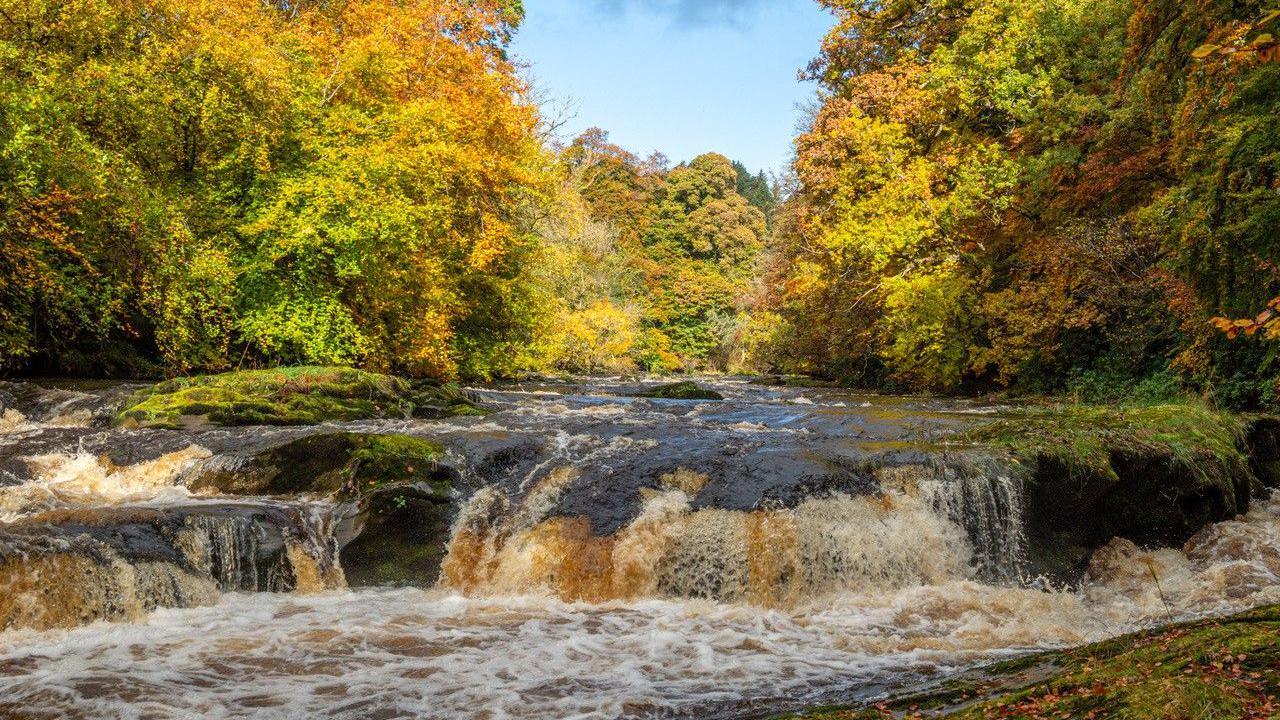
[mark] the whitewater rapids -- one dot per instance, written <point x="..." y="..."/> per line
<point x="895" y="589"/>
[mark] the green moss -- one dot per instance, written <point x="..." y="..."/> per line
<point x="687" y="390"/>
<point x="288" y="396"/>
<point x="404" y="498"/>
<point x="1088" y="437"/>
<point x="386" y="460"/>
<point x="1155" y="474"/>
<point x="399" y="487"/>
<point x="1225" y="668"/>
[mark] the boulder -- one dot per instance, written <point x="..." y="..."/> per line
<point x="1153" y="474"/>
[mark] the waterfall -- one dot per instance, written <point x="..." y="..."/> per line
<point x="252" y="554"/>
<point x="989" y="506"/>
<point x="925" y="526"/>
<point x="116" y="564"/>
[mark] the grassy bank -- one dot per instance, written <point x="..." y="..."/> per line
<point x="1211" y="670"/>
<point x="1088" y="437"/>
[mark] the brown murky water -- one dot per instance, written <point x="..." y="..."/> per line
<point x="612" y="558"/>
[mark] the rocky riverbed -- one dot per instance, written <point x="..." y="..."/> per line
<point x="589" y="548"/>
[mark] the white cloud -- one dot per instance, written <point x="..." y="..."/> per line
<point x="689" y="12"/>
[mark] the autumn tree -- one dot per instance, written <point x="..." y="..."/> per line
<point x="1018" y="193"/>
<point x="218" y="183"/>
<point x="704" y="245"/>
<point x="651" y="267"/>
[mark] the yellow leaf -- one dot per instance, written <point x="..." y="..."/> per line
<point x="1204" y="51"/>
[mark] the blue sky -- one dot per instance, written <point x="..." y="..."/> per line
<point x="679" y="76"/>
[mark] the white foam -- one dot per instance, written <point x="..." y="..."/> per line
<point x="84" y="479"/>
<point x="13" y="421"/>
<point x="431" y="654"/>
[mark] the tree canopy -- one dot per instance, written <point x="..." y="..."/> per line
<point x="1038" y="195"/>
<point x="999" y="193"/>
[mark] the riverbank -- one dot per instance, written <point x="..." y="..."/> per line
<point x="1210" y="669"/>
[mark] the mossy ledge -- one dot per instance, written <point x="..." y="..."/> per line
<point x="1087" y="438"/>
<point x="289" y="396"/>
<point x="1155" y="474"/>
<point x="345" y="467"/>
<point x="1222" y="668"/>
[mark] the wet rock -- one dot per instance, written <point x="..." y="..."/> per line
<point x="394" y="493"/>
<point x="1150" y="497"/>
<point x="69" y="567"/>
<point x="687" y="390"/>
<point x="401" y="535"/>
<point x="1233" y="540"/>
<point x="1155" y="474"/>
<point x="290" y="396"/>
<point x="66" y="403"/>
<point x="1263" y="439"/>
<point x="403" y="507"/>
<point x="500" y="457"/>
<point x="1112" y="561"/>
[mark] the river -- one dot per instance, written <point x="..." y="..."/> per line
<point x="612" y="557"/>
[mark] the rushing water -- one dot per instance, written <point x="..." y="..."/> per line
<point x="613" y="557"/>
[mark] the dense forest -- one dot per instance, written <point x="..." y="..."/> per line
<point x="1041" y="196"/>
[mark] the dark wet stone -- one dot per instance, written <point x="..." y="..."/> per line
<point x="402" y="532"/>
<point x="67" y="567"/>
<point x="95" y="403"/>
<point x="245" y="543"/>
<point x="760" y="448"/>
<point x="1263" y="438"/>
<point x="1150" y="498"/>
<point x="394" y="492"/>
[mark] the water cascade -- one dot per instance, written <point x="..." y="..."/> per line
<point x="913" y="533"/>
<point x="609" y="557"/>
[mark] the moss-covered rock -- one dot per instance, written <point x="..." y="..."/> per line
<point x="289" y="396"/>
<point x="1155" y="474"/>
<point x="402" y="494"/>
<point x="687" y="390"/>
<point x="396" y="491"/>
<point x="1087" y="437"/>
<point x="342" y="466"/>
<point x="403" y="536"/>
<point x="1224" y="668"/>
